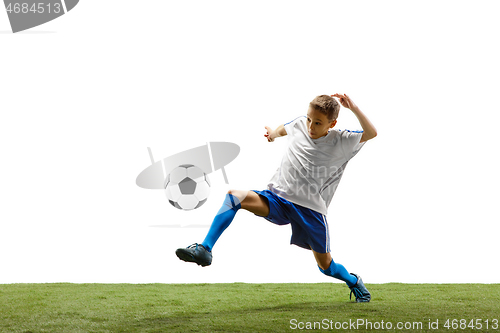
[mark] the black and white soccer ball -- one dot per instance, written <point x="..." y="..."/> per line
<point x="187" y="187"/>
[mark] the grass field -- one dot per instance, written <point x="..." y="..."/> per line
<point x="243" y="307"/>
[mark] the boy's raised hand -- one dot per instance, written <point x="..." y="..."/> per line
<point x="345" y="100"/>
<point x="369" y="131"/>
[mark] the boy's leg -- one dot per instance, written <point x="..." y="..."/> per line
<point x="235" y="199"/>
<point x="222" y="220"/>
<point x="328" y="267"/>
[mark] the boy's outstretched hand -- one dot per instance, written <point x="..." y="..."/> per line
<point x="271" y="135"/>
<point x="345" y="100"/>
<point x="268" y="134"/>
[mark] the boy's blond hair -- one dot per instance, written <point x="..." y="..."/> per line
<point x="326" y="105"/>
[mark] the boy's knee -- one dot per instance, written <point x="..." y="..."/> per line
<point x="238" y="194"/>
<point x="233" y="193"/>
<point x="234" y="196"/>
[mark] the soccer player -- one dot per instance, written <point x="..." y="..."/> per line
<point x="302" y="188"/>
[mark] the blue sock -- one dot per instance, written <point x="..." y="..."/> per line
<point x="221" y="221"/>
<point x="339" y="272"/>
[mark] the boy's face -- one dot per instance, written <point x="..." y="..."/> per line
<point x="318" y="124"/>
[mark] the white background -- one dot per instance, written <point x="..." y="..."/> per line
<point x="83" y="96"/>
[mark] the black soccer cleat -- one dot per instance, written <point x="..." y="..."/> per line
<point x="195" y="253"/>
<point x="362" y="294"/>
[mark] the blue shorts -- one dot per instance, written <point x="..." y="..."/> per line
<point x="309" y="228"/>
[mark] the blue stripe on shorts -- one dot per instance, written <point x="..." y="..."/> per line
<point x="309" y="228"/>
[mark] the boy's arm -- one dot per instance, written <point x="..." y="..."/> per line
<point x="271" y="135"/>
<point x="369" y="131"/>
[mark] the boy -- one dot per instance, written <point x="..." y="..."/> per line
<point x="301" y="189"/>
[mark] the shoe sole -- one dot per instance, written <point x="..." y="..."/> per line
<point x="362" y="301"/>
<point x="188" y="257"/>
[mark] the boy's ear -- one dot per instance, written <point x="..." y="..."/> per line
<point x="333" y="123"/>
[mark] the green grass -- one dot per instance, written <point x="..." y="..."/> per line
<point x="239" y="307"/>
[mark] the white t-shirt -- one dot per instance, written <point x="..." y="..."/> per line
<point x="311" y="169"/>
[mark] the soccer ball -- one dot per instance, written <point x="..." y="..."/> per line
<point x="187" y="187"/>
